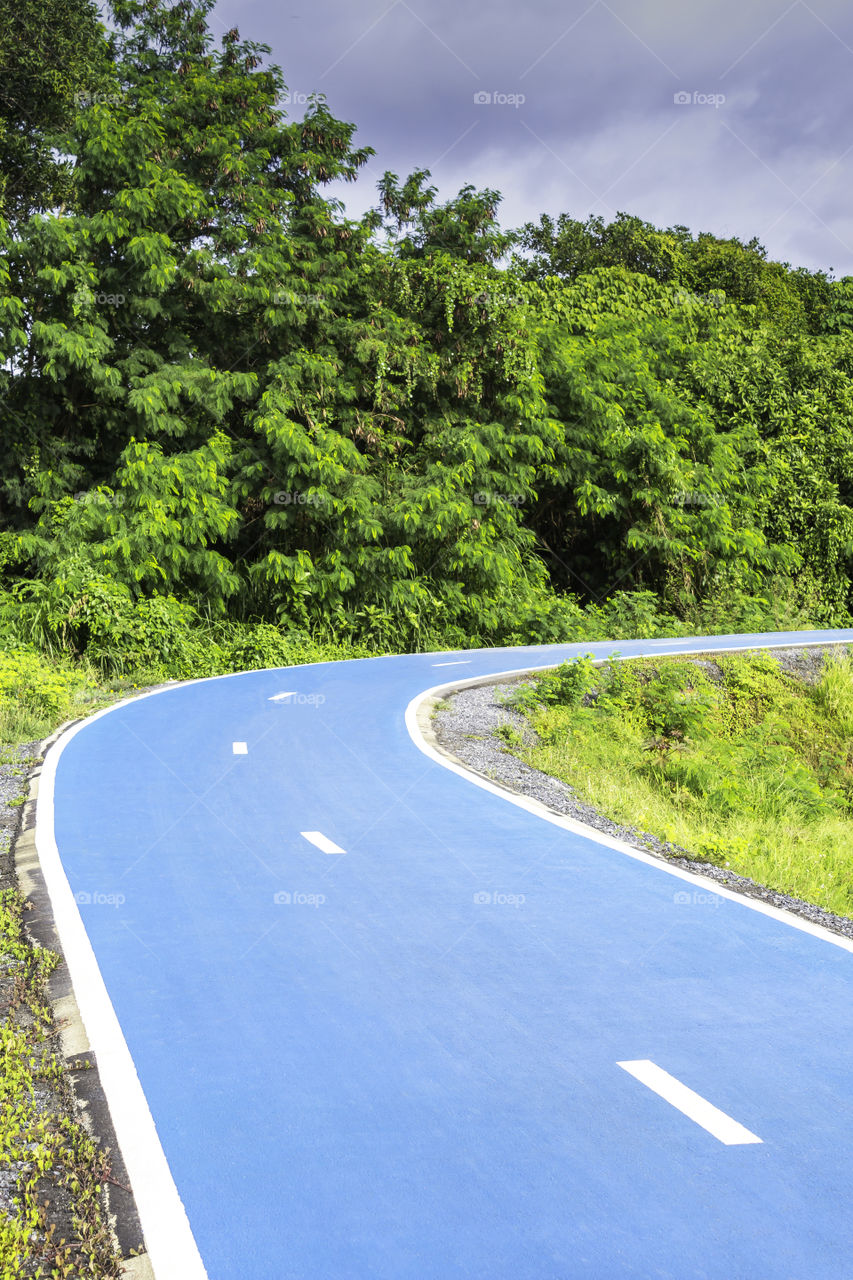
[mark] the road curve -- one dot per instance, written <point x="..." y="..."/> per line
<point x="359" y="1018"/>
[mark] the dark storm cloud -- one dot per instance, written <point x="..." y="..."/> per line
<point x="577" y="107"/>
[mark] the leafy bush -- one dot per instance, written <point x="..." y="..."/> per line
<point x="36" y="693"/>
<point x="569" y="685"/>
<point x="80" y="612"/>
<point x="757" y="775"/>
<point x="677" y="702"/>
<point x="254" y="646"/>
<point x="41" y="685"/>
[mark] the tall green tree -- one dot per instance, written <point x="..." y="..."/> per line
<point x="465" y="227"/>
<point x="645" y="492"/>
<point x="53" y="56"/>
<point x="567" y="247"/>
<point x="192" y="255"/>
<point x="701" y="454"/>
<point x="276" y="410"/>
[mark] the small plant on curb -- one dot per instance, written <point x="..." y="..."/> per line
<point x="509" y="736"/>
<point x="834" y="691"/>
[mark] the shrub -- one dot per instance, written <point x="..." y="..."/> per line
<point x="40" y="685"/>
<point x="569" y="684"/>
<point x="834" y="691"/>
<point x="36" y="693"/>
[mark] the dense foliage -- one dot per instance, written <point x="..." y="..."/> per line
<point x="52" y="57"/>
<point x="222" y="399"/>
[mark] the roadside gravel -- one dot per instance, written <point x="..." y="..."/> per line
<point x="14" y="766"/>
<point x="465" y="727"/>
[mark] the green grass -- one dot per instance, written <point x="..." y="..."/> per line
<point x="743" y="766"/>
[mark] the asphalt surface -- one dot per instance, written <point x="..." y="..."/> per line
<point x="403" y="1059"/>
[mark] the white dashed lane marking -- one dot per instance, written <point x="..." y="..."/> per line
<point x="240" y="749"/>
<point x="690" y="1104"/>
<point x="322" y="842"/>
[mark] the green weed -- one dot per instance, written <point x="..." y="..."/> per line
<point x="834" y="692"/>
<point x="48" y="1148"/>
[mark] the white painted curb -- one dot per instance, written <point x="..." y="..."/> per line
<point x="590" y="833"/>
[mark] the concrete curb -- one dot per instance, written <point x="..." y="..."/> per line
<point x="75" y="1050"/>
<point x="419" y="725"/>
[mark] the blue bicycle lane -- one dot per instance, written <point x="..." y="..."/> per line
<point x="399" y="1059"/>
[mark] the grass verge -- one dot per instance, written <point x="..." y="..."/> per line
<point x="732" y="758"/>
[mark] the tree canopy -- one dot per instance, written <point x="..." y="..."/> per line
<point x="218" y="388"/>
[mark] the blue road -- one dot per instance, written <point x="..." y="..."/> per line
<point x="399" y="1062"/>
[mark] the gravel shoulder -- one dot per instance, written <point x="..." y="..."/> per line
<point x="464" y="727"/>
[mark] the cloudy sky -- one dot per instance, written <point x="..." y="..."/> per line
<point x="732" y="117"/>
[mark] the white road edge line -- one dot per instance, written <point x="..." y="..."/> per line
<point x="465" y="662"/>
<point x="171" y="1246"/>
<point x="322" y="842"/>
<point x="280" y="697"/>
<point x="690" y="1104"/>
<point x="240" y="748"/>
<point x="590" y="833"/>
